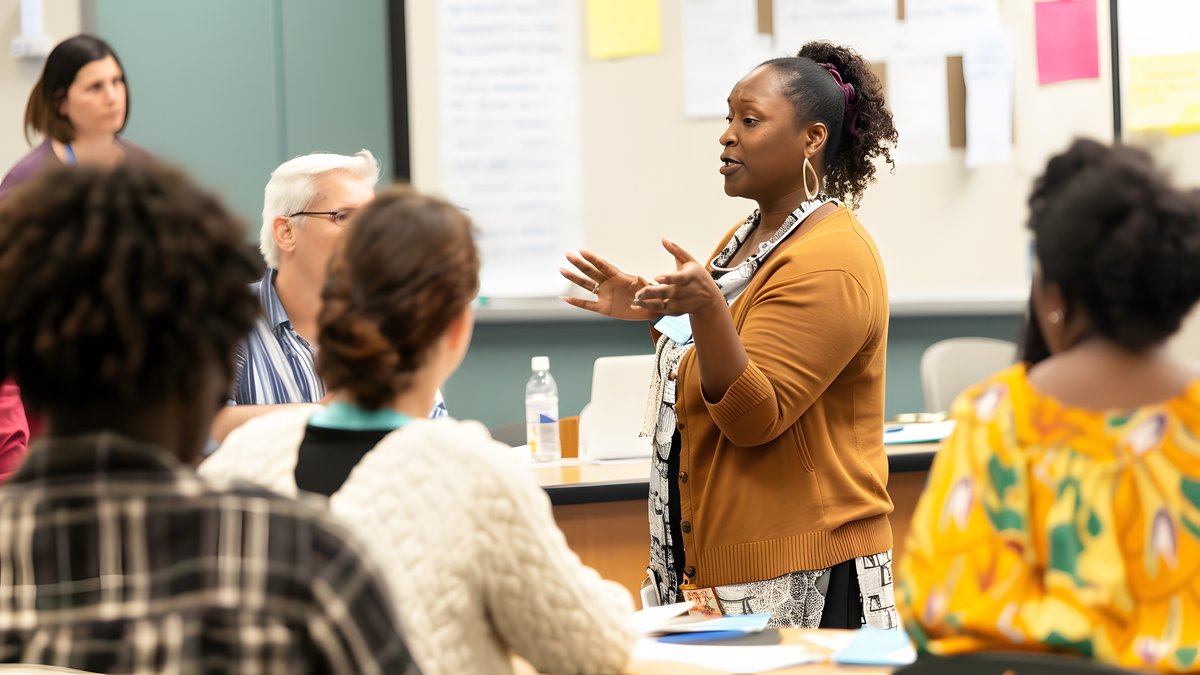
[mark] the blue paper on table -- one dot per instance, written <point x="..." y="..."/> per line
<point x="877" y="647"/>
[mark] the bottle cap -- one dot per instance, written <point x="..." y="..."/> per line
<point x="540" y="363"/>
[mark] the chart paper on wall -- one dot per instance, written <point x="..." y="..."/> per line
<point x="508" y="85"/>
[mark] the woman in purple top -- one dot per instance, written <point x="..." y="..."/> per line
<point x="79" y="106"/>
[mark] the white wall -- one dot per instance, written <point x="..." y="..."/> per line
<point x="1181" y="157"/>
<point x="17" y="77"/>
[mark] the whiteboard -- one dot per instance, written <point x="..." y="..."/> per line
<point x="950" y="237"/>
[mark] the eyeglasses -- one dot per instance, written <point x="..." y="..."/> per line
<point x="336" y="217"/>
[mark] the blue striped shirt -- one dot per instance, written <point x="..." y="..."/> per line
<point x="274" y="364"/>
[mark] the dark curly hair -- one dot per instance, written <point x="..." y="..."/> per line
<point x="849" y="160"/>
<point x="124" y="286"/>
<point x="1120" y="240"/>
<point x="1032" y="348"/>
<point x="405" y="269"/>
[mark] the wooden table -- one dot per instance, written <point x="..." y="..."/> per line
<point x="601" y="508"/>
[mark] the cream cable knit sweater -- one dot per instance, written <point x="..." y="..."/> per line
<point x="468" y="541"/>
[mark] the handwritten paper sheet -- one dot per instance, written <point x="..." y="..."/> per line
<point x="508" y="75"/>
<point x="620" y="28"/>
<point x="988" y="71"/>
<point x="1067" y="41"/>
<point x="721" y="44"/>
<point x="866" y="25"/>
<point x="947" y="24"/>
<point x="918" y="97"/>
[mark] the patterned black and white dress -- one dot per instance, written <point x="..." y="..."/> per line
<point x="796" y="599"/>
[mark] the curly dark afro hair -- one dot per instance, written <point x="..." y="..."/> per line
<point x="125" y="286"/>
<point x="1120" y="240"/>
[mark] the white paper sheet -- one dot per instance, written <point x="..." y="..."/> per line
<point x="946" y="25"/>
<point x="988" y="71"/>
<point x="1154" y="27"/>
<point x="721" y="44"/>
<point x="919" y="100"/>
<point x="32" y="24"/>
<point x="735" y="659"/>
<point x="865" y="25"/>
<point x="510" y="135"/>
<point x="649" y="619"/>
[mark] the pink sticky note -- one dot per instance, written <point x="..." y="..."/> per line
<point x="1067" y="45"/>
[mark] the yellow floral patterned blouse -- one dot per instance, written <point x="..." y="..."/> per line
<point x="1045" y="527"/>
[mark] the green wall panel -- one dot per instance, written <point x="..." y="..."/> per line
<point x="336" y="80"/>
<point x="229" y="89"/>
<point x="202" y="79"/>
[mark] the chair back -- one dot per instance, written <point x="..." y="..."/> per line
<point x="1009" y="663"/>
<point x="950" y="366"/>
<point x="509" y="433"/>
<point x="609" y="425"/>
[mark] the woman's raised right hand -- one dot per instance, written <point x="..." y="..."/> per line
<point x="614" y="289"/>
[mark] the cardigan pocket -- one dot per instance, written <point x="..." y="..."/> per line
<point x="802" y="449"/>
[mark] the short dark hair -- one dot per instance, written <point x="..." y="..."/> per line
<point x="125" y="286"/>
<point x="1120" y="240"/>
<point x="817" y="97"/>
<point x="407" y="266"/>
<point x="64" y="63"/>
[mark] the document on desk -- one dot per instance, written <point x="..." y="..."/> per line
<point x="929" y="432"/>
<point x="737" y="659"/>
<point x="673" y="619"/>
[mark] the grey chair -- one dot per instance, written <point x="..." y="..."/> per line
<point x="509" y="433"/>
<point x="950" y="366"/>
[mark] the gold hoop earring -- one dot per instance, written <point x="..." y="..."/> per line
<point x="1054" y="316"/>
<point x="813" y="193"/>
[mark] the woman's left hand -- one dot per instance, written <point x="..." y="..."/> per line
<point x="690" y="289"/>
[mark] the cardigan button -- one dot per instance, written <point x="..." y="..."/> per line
<point x="690" y="571"/>
<point x="686" y="527"/>
<point x="683" y="476"/>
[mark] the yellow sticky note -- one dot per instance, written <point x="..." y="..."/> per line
<point x="619" y="28"/>
<point x="1164" y="93"/>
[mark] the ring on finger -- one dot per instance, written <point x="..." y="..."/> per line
<point x="596" y="288"/>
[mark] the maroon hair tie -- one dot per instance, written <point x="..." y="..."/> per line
<point x="850" y="120"/>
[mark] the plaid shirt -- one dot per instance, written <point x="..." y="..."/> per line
<point x="115" y="557"/>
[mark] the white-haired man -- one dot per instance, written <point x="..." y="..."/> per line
<point x="306" y="206"/>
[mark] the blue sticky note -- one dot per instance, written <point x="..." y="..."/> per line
<point x="678" y="328"/>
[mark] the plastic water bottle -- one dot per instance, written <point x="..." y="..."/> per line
<point x="541" y="412"/>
